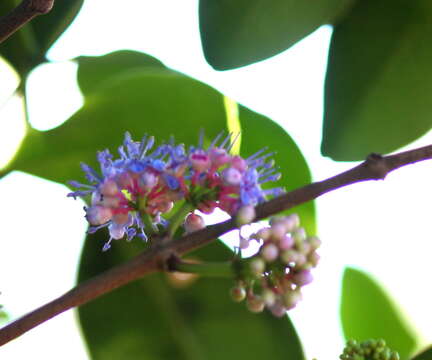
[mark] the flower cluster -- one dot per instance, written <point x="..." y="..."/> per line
<point x="274" y="276"/>
<point x="132" y="193"/>
<point x="368" y="350"/>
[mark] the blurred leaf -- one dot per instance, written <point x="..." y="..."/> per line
<point x="426" y="354"/>
<point x="258" y="132"/>
<point x="152" y="319"/>
<point x="94" y="70"/>
<point x="241" y="32"/>
<point x="160" y="102"/>
<point x="379" y="79"/>
<point x="368" y="312"/>
<point x="27" y="48"/>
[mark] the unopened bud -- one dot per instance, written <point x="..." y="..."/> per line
<point x="109" y="188"/>
<point x="264" y="234"/>
<point x="255" y="304"/>
<point x="302" y="277"/>
<point x="245" y="215"/>
<point x="193" y="223"/>
<point x="232" y="176"/>
<point x="269" y="252"/>
<point x="291" y="298"/>
<point x="291" y="222"/>
<point x="286" y="242"/>
<point x="238" y="293"/>
<point x="314" y="241"/>
<point x="98" y="215"/>
<point x="257" y="266"/>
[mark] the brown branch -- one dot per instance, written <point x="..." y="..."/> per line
<point x="375" y="167"/>
<point x="22" y="14"/>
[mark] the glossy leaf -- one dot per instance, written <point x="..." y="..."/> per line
<point x="425" y="354"/>
<point x="241" y="32"/>
<point x="27" y="48"/>
<point x="368" y="312"/>
<point x="152" y="319"/>
<point x="95" y="70"/>
<point x="161" y="103"/>
<point x="258" y="132"/>
<point x="379" y="79"/>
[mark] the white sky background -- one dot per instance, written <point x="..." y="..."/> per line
<point x="382" y="227"/>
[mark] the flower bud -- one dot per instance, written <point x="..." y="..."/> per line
<point x="193" y="223"/>
<point x="245" y="215"/>
<point x="278" y="309"/>
<point x="239" y="163"/>
<point x="313" y="258"/>
<point x="232" y="176"/>
<point x="269" y="252"/>
<point x="268" y="297"/>
<point x="289" y="256"/>
<point x="302" y="277"/>
<point x="255" y="304"/>
<point x="278" y="231"/>
<point x="314" y="241"/>
<point x="219" y="156"/>
<point x="257" y="266"/>
<point x="291" y="222"/>
<point x="286" y="243"/>
<point x="291" y="298"/>
<point x="264" y="234"/>
<point x="116" y="231"/>
<point x="98" y="215"/>
<point x="238" y="293"/>
<point x="109" y="188"/>
<point x="200" y="161"/>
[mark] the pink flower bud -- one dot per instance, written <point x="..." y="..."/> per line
<point x="238" y="293"/>
<point x="148" y="180"/>
<point x="315" y="242"/>
<point x="109" y="188"/>
<point x="193" y="223"/>
<point x="200" y="160"/>
<point x="278" y="309"/>
<point x="278" y="231"/>
<point x="264" y="234"/>
<point x="269" y="252"/>
<point x="232" y="176"/>
<point x="245" y="215"/>
<point x="98" y="215"/>
<point x="219" y="157"/>
<point x="125" y="180"/>
<point x="121" y="218"/>
<point x="239" y="163"/>
<point x="257" y="266"/>
<point x="286" y="243"/>
<point x="255" y="304"/>
<point x="291" y="299"/>
<point x="302" y="277"/>
<point x="292" y="222"/>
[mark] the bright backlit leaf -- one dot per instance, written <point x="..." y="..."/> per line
<point x="241" y="32"/>
<point x="367" y="312"/>
<point x="379" y="79"/>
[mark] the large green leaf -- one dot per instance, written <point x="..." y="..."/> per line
<point x="151" y="319"/>
<point x="95" y="70"/>
<point x="161" y="103"/>
<point x="241" y="32"/>
<point x="258" y="132"/>
<point x="424" y="355"/>
<point x="368" y="312"/>
<point x="379" y="79"/>
<point x="27" y="48"/>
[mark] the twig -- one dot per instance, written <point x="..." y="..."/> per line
<point x="23" y="13"/>
<point x="375" y="167"/>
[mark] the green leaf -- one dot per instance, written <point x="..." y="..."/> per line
<point x="27" y="47"/>
<point x="95" y="70"/>
<point x="368" y="312"/>
<point x="152" y="319"/>
<point x="379" y="79"/>
<point x="160" y="102"/>
<point x="426" y="354"/>
<point x="241" y="32"/>
<point x="258" y="132"/>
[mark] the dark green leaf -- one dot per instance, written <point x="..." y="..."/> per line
<point x="379" y="79"/>
<point x="241" y="32"/>
<point x="27" y="48"/>
<point x="426" y="354"/>
<point x="161" y="103"/>
<point x="368" y="312"/>
<point x="95" y="70"/>
<point x="259" y="132"/>
<point x="151" y="319"/>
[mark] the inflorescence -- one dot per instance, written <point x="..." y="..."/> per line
<point x="274" y="276"/>
<point x="133" y="192"/>
<point x="368" y="350"/>
<point x="133" y="195"/>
